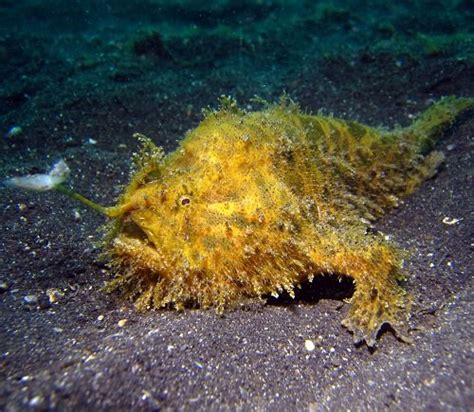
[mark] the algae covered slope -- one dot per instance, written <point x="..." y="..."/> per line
<point x="253" y="204"/>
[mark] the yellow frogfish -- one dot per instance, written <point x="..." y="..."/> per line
<point x="253" y="204"/>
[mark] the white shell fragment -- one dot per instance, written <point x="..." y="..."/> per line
<point x="41" y="182"/>
<point x="450" y="221"/>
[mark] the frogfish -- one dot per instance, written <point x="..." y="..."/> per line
<point x="255" y="204"/>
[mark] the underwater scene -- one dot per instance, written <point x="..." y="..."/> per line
<point x="236" y="205"/>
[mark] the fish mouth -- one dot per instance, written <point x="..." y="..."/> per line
<point x="132" y="230"/>
<point x="133" y="247"/>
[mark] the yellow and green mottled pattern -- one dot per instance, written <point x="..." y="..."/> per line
<point x="253" y="204"/>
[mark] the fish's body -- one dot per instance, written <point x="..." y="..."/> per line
<point x="253" y="204"/>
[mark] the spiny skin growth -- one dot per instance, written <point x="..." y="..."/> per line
<point x="254" y="204"/>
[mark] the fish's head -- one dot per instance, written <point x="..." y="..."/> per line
<point x="183" y="222"/>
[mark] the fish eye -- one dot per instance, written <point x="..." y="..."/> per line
<point x="184" y="200"/>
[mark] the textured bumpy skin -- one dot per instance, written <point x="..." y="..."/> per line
<point x="253" y="204"/>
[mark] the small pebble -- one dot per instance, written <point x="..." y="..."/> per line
<point x="14" y="131"/>
<point x="309" y="345"/>
<point x="100" y="318"/>
<point x="36" y="401"/>
<point x="54" y="295"/>
<point x="3" y="286"/>
<point x="122" y="322"/>
<point x="31" y="299"/>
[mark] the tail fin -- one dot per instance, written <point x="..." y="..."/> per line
<point x="430" y="124"/>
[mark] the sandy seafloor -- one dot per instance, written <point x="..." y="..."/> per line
<point x="80" y="77"/>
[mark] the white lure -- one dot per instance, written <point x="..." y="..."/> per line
<point x="41" y="182"/>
